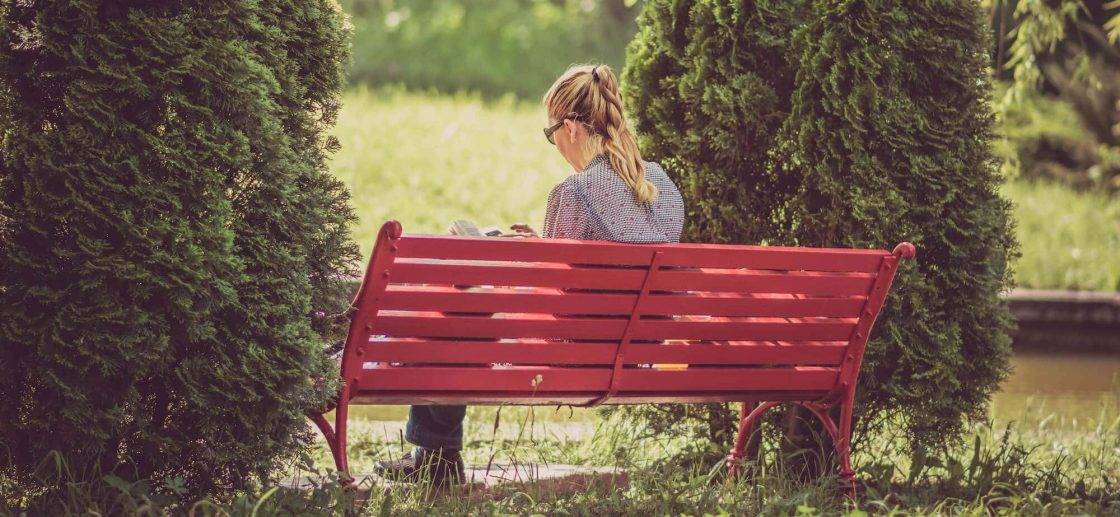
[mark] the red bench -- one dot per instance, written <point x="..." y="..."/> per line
<point x="590" y="322"/>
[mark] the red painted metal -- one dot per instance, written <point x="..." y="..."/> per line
<point x="684" y="255"/>
<point x="795" y="282"/>
<point x="363" y="306"/>
<point x="538" y="352"/>
<point x="722" y="329"/>
<point x="557" y="301"/>
<point x="598" y="322"/>
<point x="543" y="379"/>
<point x="628" y="332"/>
<point x="573" y="398"/>
<point x="843" y="394"/>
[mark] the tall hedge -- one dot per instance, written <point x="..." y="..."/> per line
<point x="891" y="131"/>
<point x="169" y="230"/>
<point x="829" y="123"/>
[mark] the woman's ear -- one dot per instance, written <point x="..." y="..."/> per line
<point x="572" y="127"/>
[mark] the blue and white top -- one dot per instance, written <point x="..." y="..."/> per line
<point x="596" y="204"/>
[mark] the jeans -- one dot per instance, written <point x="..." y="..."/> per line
<point x="435" y="427"/>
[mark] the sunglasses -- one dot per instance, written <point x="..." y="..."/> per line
<point x="548" y="131"/>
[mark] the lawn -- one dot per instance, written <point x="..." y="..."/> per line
<point x="427" y="159"/>
<point x="1070" y="240"/>
<point x="1041" y="464"/>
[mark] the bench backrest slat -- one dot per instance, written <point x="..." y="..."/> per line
<point x="676" y="255"/>
<point x="550" y="301"/>
<point x="515" y="274"/>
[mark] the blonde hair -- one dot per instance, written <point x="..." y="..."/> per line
<point x="589" y="94"/>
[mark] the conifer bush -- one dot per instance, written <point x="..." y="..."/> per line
<point x="169" y="231"/>
<point x="864" y="124"/>
<point x="891" y="132"/>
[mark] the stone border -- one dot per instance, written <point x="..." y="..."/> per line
<point x="1053" y="320"/>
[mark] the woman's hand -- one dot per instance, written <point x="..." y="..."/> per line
<point x="523" y="230"/>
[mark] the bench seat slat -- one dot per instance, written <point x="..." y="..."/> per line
<point x="698" y="255"/>
<point x="555" y="380"/>
<point x="708" y="353"/>
<point x="550" y="300"/>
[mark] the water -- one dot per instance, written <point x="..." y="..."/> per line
<point x="1070" y="390"/>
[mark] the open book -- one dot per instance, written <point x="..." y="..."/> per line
<point x="469" y="229"/>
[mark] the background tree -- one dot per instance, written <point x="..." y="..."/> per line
<point x="169" y="229"/>
<point x="846" y="124"/>
<point x="497" y="47"/>
<point x="1061" y="104"/>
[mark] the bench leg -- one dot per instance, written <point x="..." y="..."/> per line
<point x="328" y="433"/>
<point x="746" y="427"/>
<point x="841" y="438"/>
<point x="336" y="440"/>
<point x="844" y="445"/>
<point x="340" y="414"/>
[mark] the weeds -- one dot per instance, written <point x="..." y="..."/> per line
<point x="1005" y="469"/>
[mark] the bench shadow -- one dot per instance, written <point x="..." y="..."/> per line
<point x="541" y="482"/>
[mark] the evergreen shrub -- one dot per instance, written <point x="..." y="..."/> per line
<point x="857" y="124"/>
<point x="169" y="231"/>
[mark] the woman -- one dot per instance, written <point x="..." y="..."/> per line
<point x="614" y="196"/>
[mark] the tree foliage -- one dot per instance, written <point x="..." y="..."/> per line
<point x="1061" y="50"/>
<point x="496" y="47"/>
<point x="169" y="230"/>
<point x="857" y="124"/>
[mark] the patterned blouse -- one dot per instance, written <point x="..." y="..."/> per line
<point x="596" y="204"/>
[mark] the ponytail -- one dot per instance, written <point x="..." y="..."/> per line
<point x="591" y="93"/>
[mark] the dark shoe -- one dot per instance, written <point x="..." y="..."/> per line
<point x="437" y="466"/>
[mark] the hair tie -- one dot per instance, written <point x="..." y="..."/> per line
<point x="595" y="76"/>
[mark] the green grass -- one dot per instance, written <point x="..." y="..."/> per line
<point x="1030" y="467"/>
<point x="1033" y="467"/>
<point x="427" y="159"/>
<point x="1070" y="239"/>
